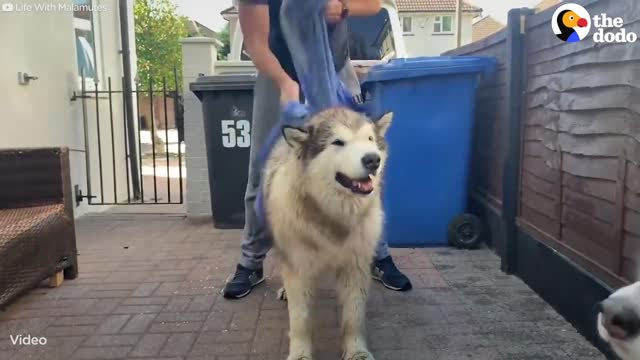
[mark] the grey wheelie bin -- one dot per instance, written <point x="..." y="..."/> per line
<point x="227" y="106"/>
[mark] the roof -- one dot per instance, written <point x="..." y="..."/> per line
<point x="433" y="6"/>
<point x="201" y="29"/>
<point x="231" y="10"/>
<point x="485" y="27"/>
<point x="196" y="29"/>
<point x="407" y="6"/>
<point x="545" y="4"/>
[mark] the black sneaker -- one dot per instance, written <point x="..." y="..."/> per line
<point x="387" y="273"/>
<point x="242" y="282"/>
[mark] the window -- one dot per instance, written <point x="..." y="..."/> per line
<point x="407" y="25"/>
<point x="85" y="41"/>
<point x="442" y="24"/>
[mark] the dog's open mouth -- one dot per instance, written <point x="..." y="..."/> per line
<point x="362" y="186"/>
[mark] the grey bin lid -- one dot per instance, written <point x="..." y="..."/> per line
<point x="223" y="82"/>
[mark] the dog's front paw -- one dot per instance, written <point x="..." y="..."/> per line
<point x="300" y="350"/>
<point x="282" y="294"/>
<point x="359" y="355"/>
<point x="299" y="357"/>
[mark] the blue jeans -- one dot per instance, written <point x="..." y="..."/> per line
<point x="256" y="242"/>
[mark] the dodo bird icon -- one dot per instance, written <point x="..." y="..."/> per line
<point x="568" y="21"/>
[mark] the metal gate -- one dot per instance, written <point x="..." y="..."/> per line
<point x="137" y="161"/>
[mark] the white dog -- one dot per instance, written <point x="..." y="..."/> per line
<point x="322" y="200"/>
<point x="619" y="321"/>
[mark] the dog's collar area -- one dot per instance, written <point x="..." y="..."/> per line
<point x="362" y="186"/>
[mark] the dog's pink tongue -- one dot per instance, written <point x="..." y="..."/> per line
<point x="364" y="185"/>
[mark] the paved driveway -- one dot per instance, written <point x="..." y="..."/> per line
<point x="150" y="289"/>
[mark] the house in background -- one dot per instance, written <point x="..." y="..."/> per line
<point x="53" y="45"/>
<point x="231" y="15"/>
<point x="196" y="29"/>
<point x="483" y="27"/>
<point x="429" y="26"/>
<point x="237" y="50"/>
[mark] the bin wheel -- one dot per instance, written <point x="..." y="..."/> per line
<point x="465" y="232"/>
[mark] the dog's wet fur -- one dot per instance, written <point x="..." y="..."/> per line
<point x="322" y="200"/>
<point x="618" y="321"/>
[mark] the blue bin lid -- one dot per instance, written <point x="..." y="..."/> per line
<point x="397" y="69"/>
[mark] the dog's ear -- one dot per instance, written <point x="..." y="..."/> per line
<point x="383" y="123"/>
<point x="295" y="136"/>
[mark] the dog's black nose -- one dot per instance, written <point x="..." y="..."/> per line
<point x="371" y="161"/>
<point x="620" y="321"/>
<point x="629" y="321"/>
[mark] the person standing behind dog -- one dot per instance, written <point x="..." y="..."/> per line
<point x="276" y="85"/>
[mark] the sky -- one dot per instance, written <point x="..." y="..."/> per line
<point x="207" y="12"/>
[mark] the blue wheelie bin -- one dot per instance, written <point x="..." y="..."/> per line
<point x="426" y="176"/>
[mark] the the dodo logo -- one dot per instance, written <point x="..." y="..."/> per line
<point x="571" y="22"/>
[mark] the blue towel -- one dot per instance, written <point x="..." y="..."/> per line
<point x="304" y="27"/>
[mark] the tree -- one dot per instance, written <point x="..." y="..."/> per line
<point x="225" y="38"/>
<point x="158" y="30"/>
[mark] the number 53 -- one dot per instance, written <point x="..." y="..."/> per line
<point x="236" y="133"/>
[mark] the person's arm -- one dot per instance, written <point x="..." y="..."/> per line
<point x="254" y="22"/>
<point x="356" y="8"/>
<point x="364" y="7"/>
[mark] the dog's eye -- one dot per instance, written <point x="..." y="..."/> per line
<point x="370" y="138"/>
<point x="338" y="142"/>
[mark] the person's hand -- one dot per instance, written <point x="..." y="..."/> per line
<point x="333" y="11"/>
<point x="289" y="91"/>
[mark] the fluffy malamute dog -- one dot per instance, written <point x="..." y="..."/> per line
<point x="322" y="200"/>
<point x="619" y="321"/>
